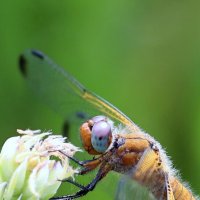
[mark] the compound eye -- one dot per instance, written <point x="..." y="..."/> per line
<point x="101" y="136"/>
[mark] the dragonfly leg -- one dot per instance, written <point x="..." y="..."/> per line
<point x="85" y="189"/>
<point x="73" y="183"/>
<point x="87" y="165"/>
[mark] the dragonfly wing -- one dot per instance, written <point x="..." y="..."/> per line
<point x="63" y="92"/>
<point x="129" y="189"/>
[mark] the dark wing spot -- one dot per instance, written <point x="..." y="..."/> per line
<point x="22" y="65"/>
<point x="65" y="129"/>
<point x="81" y="115"/>
<point x="84" y="90"/>
<point x="38" y="54"/>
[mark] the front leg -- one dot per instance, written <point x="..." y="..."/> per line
<point x="88" y="165"/>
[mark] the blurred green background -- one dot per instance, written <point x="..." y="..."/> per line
<point x="142" y="56"/>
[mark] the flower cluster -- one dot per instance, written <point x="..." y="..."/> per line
<point x="32" y="164"/>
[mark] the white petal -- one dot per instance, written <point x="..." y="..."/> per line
<point x="2" y="189"/>
<point x="39" y="179"/>
<point x="28" y="132"/>
<point x="17" y="181"/>
<point x="7" y="161"/>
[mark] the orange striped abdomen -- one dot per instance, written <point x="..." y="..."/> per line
<point x="180" y="191"/>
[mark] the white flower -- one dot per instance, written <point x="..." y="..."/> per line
<point x="28" y="169"/>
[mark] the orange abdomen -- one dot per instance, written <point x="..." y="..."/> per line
<point x="180" y="191"/>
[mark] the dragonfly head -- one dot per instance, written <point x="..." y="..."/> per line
<point x="96" y="135"/>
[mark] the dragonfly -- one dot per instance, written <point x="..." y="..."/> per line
<point x="117" y="143"/>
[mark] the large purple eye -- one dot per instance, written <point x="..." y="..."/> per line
<point x="101" y="133"/>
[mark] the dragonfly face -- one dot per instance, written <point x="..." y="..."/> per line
<point x="96" y="135"/>
<point x="124" y="147"/>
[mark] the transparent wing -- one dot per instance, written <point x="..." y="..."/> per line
<point x="129" y="189"/>
<point x="63" y="92"/>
